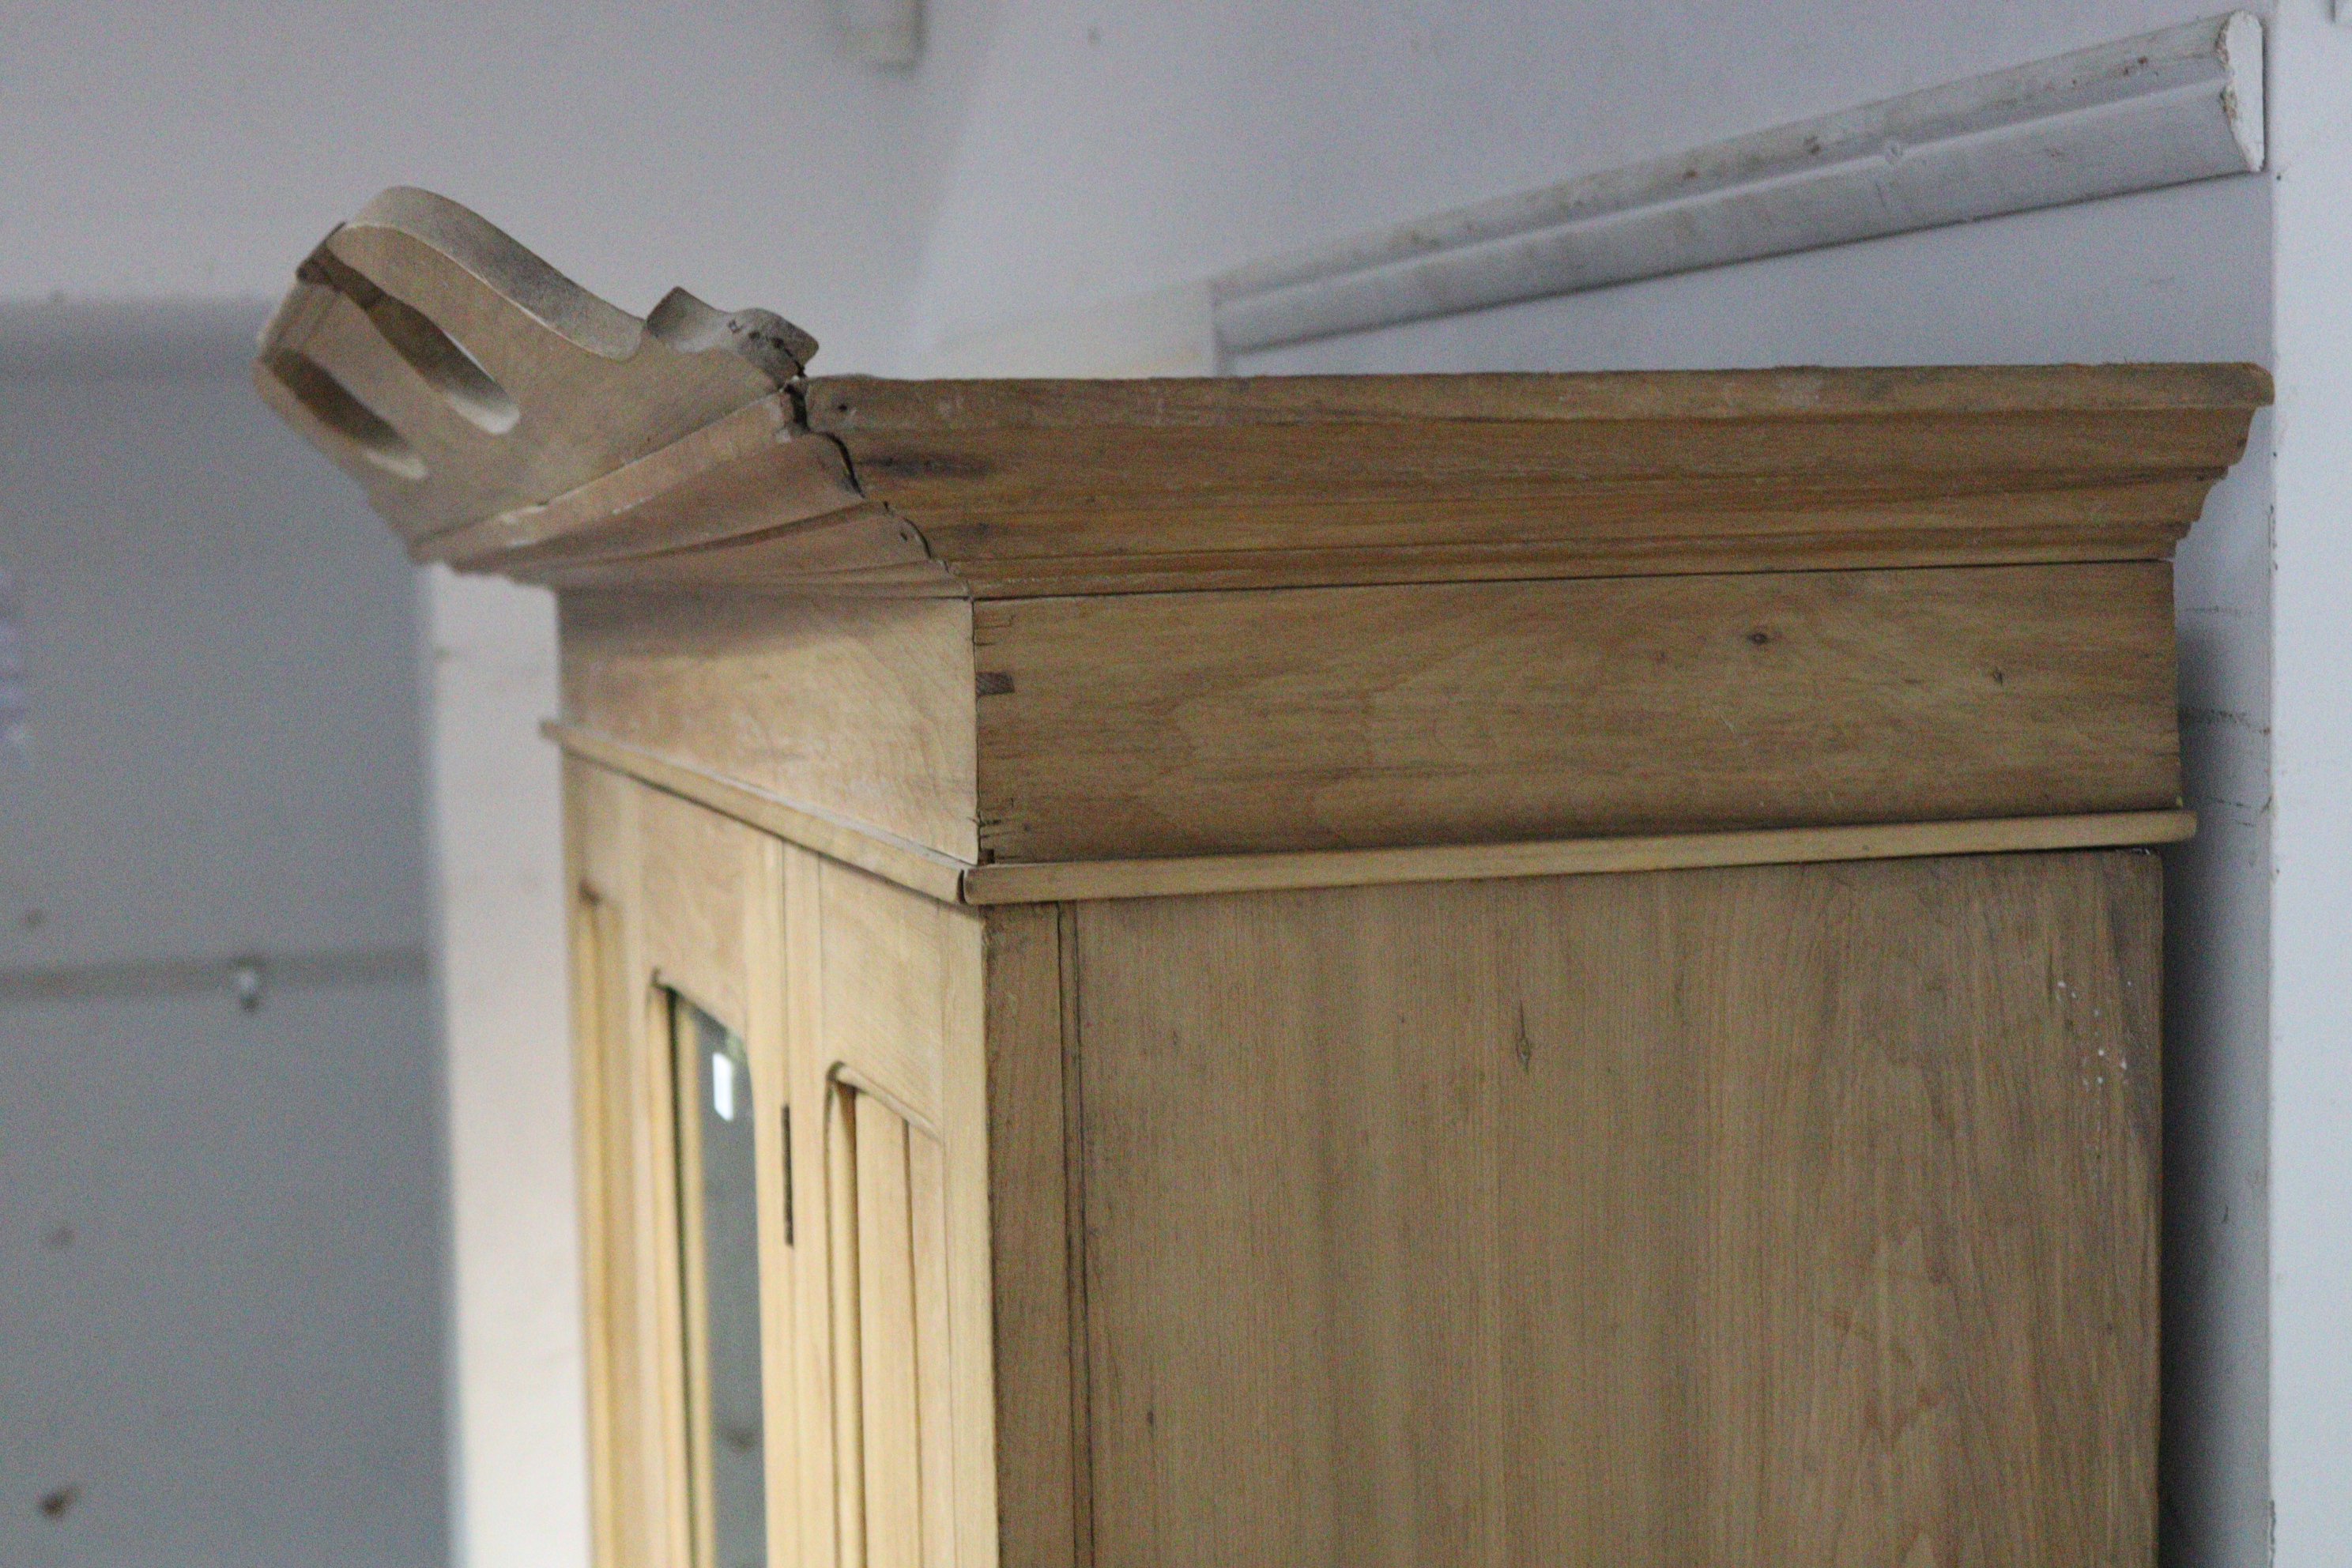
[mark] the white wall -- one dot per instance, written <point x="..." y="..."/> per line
<point x="1118" y="145"/>
<point x="220" y="1230"/>
<point x="186" y="148"/>
<point x="2310" y="1170"/>
<point x="518" y="1459"/>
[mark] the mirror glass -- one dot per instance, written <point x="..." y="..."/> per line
<point x="719" y="1236"/>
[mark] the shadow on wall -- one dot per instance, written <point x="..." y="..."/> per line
<point x="220" y="1298"/>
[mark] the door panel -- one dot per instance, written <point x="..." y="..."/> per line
<point x="897" y="1394"/>
<point x="678" y="942"/>
<point x="897" y="1397"/>
<point x="856" y="1003"/>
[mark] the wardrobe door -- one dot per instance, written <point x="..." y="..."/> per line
<point x="892" y="1400"/>
<point x="679" y="1027"/>
<point x="885" y="1043"/>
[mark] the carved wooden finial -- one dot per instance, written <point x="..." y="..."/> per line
<point x="458" y="376"/>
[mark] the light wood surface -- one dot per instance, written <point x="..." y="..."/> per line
<point x="906" y="1387"/>
<point x="1186" y="724"/>
<point x="821" y="1201"/>
<point x="693" y="1298"/>
<point x="1011" y="490"/>
<point x="1011" y="883"/>
<point x="456" y="376"/>
<point x="1039" y="1347"/>
<point x="844" y="1321"/>
<point x="933" y="1335"/>
<point x="884" y="956"/>
<point x="597" y="839"/>
<point x="639" y="1473"/>
<point x="1046" y="882"/>
<point x="910" y="864"/>
<point x="1756" y="1215"/>
<point x="705" y="896"/>
<point x="887" y="1355"/>
<point x="1623" y="472"/>
<point x="862" y="709"/>
<point x="885" y="1003"/>
<point x="754" y="471"/>
<point x="967" y="1529"/>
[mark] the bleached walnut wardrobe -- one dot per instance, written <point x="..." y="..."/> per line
<point x="1395" y="970"/>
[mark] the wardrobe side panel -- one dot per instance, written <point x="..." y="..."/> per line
<point x="1779" y="1214"/>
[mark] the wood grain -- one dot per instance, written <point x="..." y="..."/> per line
<point x="1017" y="882"/>
<point x="819" y="1201"/>
<point x="711" y="904"/>
<point x="599" y="839"/>
<point x="1037" y="487"/>
<point x="895" y="859"/>
<point x="1189" y="724"/>
<point x="1036" y="1453"/>
<point x="892" y="1029"/>
<point x="970" y="1327"/>
<point x="697" y="881"/>
<point x="926" y="1241"/>
<point x="756" y="470"/>
<point x="1330" y="1168"/>
<point x="854" y="405"/>
<point x="886" y="1024"/>
<point x="635" y="1333"/>
<point x="887" y="1362"/>
<point x="845" y="1325"/>
<point x="1786" y="1214"/>
<point x="458" y="376"/>
<point x="504" y="419"/>
<point x="768" y="1046"/>
<point x="859" y="709"/>
<point x="1018" y="489"/>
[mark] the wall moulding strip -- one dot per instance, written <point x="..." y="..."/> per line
<point x="2184" y="103"/>
<point x="246" y="977"/>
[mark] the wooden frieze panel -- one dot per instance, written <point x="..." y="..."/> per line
<point x="1174" y="724"/>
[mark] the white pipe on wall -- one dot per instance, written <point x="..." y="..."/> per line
<point x="2181" y="104"/>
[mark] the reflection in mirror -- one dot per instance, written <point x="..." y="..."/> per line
<point x="719" y="1239"/>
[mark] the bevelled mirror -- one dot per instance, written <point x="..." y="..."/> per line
<point x="719" y="1241"/>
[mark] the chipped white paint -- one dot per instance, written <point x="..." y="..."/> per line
<point x="2310" y="1168"/>
<point x="2181" y="104"/>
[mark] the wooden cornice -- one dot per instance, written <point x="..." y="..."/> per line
<point x="688" y="453"/>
